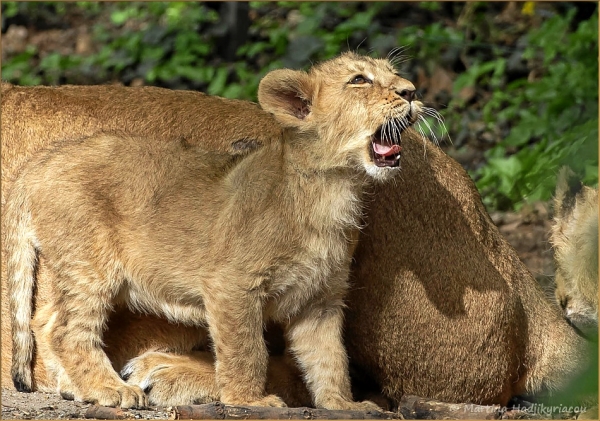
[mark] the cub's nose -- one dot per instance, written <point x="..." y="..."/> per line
<point x="407" y="94"/>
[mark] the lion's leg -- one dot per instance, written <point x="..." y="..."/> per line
<point x="236" y="328"/>
<point x="316" y="340"/>
<point x="76" y="340"/>
<point x="56" y="378"/>
<point x="171" y="379"/>
<point x="129" y="335"/>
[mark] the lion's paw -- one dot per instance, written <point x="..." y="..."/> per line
<point x="170" y="379"/>
<point x="269" y="400"/>
<point x="343" y="404"/>
<point x="124" y="396"/>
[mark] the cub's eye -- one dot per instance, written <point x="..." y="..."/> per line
<point x="360" y="80"/>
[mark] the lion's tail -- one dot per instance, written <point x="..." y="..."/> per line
<point x="22" y="255"/>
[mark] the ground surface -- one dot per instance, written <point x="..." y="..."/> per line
<point x="527" y="231"/>
<point x="37" y="406"/>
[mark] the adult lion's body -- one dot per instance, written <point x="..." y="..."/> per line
<point x="440" y="307"/>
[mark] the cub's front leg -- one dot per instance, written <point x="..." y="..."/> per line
<point x="315" y="338"/>
<point x="235" y="319"/>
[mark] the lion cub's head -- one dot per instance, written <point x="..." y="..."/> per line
<point x="355" y="106"/>
<point x="574" y="237"/>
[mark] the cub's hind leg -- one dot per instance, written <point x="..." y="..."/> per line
<point x="129" y="334"/>
<point x="82" y="306"/>
<point x="172" y="379"/>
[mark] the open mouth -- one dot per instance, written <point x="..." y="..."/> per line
<point x="385" y="148"/>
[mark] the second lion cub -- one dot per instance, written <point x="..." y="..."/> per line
<point x="208" y="238"/>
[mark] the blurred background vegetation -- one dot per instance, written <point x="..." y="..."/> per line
<point x="517" y="82"/>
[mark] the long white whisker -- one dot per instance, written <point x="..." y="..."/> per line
<point x="435" y="138"/>
<point x="424" y="120"/>
<point x="401" y="49"/>
<point x="432" y="112"/>
<point x="395" y="56"/>
<point x="385" y="130"/>
<point x="395" y="131"/>
<point x="425" y="138"/>
<point x="420" y="129"/>
<point x="445" y="130"/>
<point x="360" y="44"/>
<point x="405" y="123"/>
<point x="392" y="52"/>
<point x="399" y="60"/>
<point x="401" y="125"/>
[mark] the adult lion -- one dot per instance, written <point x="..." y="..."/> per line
<point x="441" y="306"/>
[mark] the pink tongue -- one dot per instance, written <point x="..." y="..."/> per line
<point x="386" y="150"/>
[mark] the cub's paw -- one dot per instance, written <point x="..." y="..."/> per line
<point x="65" y="387"/>
<point x="367" y="406"/>
<point x="21" y="377"/>
<point x="124" y="396"/>
<point x="269" y="400"/>
<point x="343" y="404"/>
<point x="170" y="379"/>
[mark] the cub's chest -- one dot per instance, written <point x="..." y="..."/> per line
<point x="315" y="273"/>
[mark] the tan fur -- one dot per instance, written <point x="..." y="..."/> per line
<point x="208" y="238"/>
<point x="197" y="378"/>
<point x="440" y="304"/>
<point x="575" y="240"/>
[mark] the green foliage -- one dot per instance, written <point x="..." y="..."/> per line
<point x="553" y="119"/>
<point x="427" y="44"/>
<point x="158" y="42"/>
<point x="18" y="69"/>
<point x="549" y="118"/>
<point x="173" y="44"/>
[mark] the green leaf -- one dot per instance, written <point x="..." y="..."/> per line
<point x="217" y="85"/>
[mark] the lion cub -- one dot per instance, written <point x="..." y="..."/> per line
<point x="208" y="238"/>
<point x="574" y="237"/>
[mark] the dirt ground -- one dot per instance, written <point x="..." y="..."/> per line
<point x="38" y="406"/>
<point x="527" y="231"/>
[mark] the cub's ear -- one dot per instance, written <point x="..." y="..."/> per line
<point x="568" y="186"/>
<point x="287" y="94"/>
